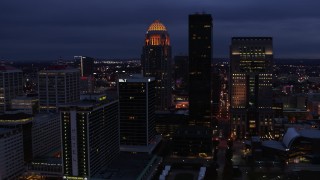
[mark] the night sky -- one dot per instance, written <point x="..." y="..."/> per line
<point x="48" y="29"/>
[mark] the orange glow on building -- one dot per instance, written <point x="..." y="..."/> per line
<point x="157" y="26"/>
<point x="157" y="35"/>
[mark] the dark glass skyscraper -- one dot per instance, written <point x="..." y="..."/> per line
<point x="251" y="86"/>
<point x="156" y="62"/>
<point x="137" y="113"/>
<point x="200" y="55"/>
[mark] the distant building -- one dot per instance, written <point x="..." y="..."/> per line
<point x="28" y="105"/>
<point x="251" y="78"/>
<point x="295" y="145"/>
<point x="58" y="85"/>
<point x="181" y="73"/>
<point x="137" y="113"/>
<point x="200" y="55"/>
<point x="11" y="153"/>
<point x="156" y="62"/>
<point x="85" y="64"/>
<point x="11" y="85"/>
<point x="90" y="137"/>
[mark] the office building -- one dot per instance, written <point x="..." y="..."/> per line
<point x="251" y="79"/>
<point x="137" y="113"/>
<point x="85" y="64"/>
<point x="23" y="122"/>
<point x="58" y="85"/>
<point x="181" y="73"/>
<point x="156" y="62"/>
<point x="46" y="134"/>
<point x="90" y="136"/>
<point x="11" y="85"/>
<point x="25" y="104"/>
<point x="11" y="153"/>
<point x="200" y="55"/>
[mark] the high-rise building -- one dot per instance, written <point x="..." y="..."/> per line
<point x="46" y="134"/>
<point x="156" y="62"/>
<point x="58" y="85"/>
<point x="200" y="55"/>
<point x="90" y="136"/>
<point x="251" y="79"/>
<point x="85" y="64"/>
<point x="181" y="73"/>
<point x="11" y="85"/>
<point x="11" y="153"/>
<point x="24" y="123"/>
<point x="137" y="113"/>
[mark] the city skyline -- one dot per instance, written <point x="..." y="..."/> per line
<point x="48" y="30"/>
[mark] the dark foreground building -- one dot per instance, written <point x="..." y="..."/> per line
<point x="200" y="55"/>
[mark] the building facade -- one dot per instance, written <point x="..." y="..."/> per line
<point x="46" y="134"/>
<point x="11" y="153"/>
<point x="58" y="85"/>
<point x="137" y="113"/>
<point x="251" y="80"/>
<point x="200" y="55"/>
<point x="156" y="62"/>
<point x="90" y="137"/>
<point x="11" y="86"/>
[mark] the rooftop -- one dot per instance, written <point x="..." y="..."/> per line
<point x="157" y="26"/>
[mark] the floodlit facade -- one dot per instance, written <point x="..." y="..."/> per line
<point x="58" y="85"/>
<point x="251" y="80"/>
<point x="90" y="137"/>
<point x="156" y="62"/>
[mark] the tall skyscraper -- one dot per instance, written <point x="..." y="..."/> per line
<point x="200" y="55"/>
<point x="137" y="113"/>
<point x="90" y="137"/>
<point x="156" y="62"/>
<point x="11" y="86"/>
<point x="251" y="86"/>
<point x="58" y="85"/>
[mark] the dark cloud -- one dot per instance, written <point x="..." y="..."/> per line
<point x="37" y="29"/>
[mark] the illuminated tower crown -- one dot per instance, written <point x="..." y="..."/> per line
<point x="157" y="35"/>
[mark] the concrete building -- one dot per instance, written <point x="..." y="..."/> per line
<point x="137" y="113"/>
<point x="11" y="85"/>
<point x="11" y="153"/>
<point x="90" y="137"/>
<point x="58" y="85"/>
<point x="156" y="62"/>
<point x="251" y="78"/>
